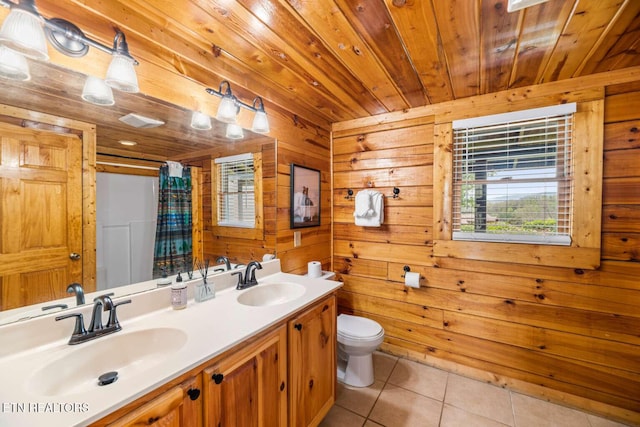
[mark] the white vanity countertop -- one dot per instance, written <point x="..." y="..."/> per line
<point x="211" y="328"/>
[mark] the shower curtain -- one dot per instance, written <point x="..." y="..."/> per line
<point x="173" y="247"/>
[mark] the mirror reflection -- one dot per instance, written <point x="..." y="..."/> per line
<point x="125" y="188"/>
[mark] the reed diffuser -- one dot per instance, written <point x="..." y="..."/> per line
<point x="204" y="290"/>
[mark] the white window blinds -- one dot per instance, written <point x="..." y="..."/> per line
<point x="513" y="177"/>
<point x="235" y="191"/>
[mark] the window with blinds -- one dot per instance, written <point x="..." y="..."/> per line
<point x="513" y="177"/>
<point x="235" y="191"/>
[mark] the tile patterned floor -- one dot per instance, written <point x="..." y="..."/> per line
<point x="407" y="393"/>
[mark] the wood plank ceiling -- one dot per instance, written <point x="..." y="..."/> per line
<point x="333" y="60"/>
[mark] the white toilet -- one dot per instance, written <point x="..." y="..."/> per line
<point x="358" y="338"/>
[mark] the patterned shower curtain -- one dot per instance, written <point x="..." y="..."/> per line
<point x="173" y="248"/>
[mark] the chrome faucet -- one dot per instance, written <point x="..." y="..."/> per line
<point x="227" y="263"/>
<point x="96" y="327"/>
<point x="77" y="289"/>
<point x="249" y="275"/>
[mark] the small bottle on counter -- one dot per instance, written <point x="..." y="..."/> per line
<point x="164" y="280"/>
<point x="179" y="294"/>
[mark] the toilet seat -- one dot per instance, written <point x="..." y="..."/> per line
<point x="358" y="328"/>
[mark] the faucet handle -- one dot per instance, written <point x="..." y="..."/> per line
<point x="79" y="329"/>
<point x="113" y="318"/>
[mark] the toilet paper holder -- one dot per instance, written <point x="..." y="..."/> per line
<point x="406" y="269"/>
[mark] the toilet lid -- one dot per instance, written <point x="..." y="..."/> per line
<point x="356" y="326"/>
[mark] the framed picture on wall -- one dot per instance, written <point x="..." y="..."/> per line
<point x="305" y="196"/>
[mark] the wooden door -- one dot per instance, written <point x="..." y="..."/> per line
<point x="248" y="388"/>
<point x="40" y="215"/>
<point x="312" y="361"/>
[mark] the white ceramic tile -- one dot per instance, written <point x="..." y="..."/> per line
<point x="359" y="399"/>
<point x="341" y="417"/>
<point x="383" y="364"/>
<point x="456" y="417"/>
<point x="398" y="407"/>
<point x="532" y="412"/>
<point x="419" y="378"/>
<point x="479" y="398"/>
<point x="595" y="421"/>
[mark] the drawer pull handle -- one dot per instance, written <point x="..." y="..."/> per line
<point x="193" y="393"/>
<point x="217" y="378"/>
<point x="298" y="326"/>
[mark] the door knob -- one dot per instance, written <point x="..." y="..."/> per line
<point x="74" y="256"/>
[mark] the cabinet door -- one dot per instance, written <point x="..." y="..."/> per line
<point x="179" y="406"/>
<point x="312" y="361"/>
<point x="248" y="388"/>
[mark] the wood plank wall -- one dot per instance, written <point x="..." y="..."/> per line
<point x="571" y="336"/>
<point x="238" y="250"/>
<point x="292" y="141"/>
<point x="309" y="147"/>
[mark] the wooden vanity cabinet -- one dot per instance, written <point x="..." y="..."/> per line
<point x="285" y="376"/>
<point x="179" y="406"/>
<point x="312" y="363"/>
<point x="248" y="388"/>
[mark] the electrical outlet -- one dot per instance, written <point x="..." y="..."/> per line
<point x="297" y="239"/>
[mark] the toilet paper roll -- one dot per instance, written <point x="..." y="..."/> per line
<point x="268" y="257"/>
<point x="314" y="269"/>
<point x="412" y="279"/>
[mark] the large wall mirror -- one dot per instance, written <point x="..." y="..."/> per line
<point x="125" y="157"/>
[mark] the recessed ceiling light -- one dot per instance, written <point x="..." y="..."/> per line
<point x="130" y="143"/>
<point x="514" y="5"/>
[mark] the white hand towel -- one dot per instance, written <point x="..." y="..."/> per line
<point x="369" y="210"/>
<point x="363" y="204"/>
<point x="175" y="168"/>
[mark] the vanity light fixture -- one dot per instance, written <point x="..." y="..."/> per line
<point x="260" y="121"/>
<point x="96" y="91"/>
<point x="13" y="65"/>
<point x="234" y="131"/>
<point x="230" y="105"/>
<point x="25" y="31"/>
<point x="200" y="121"/>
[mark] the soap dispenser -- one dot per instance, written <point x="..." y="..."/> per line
<point x="179" y="294"/>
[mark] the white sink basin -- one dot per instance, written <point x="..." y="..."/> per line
<point x="271" y="294"/>
<point x="127" y="353"/>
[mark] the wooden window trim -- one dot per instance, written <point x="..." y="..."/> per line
<point x="255" y="233"/>
<point x="584" y="251"/>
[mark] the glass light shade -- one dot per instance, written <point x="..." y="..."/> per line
<point x="234" y="131"/>
<point x="13" y="65"/>
<point x="23" y="32"/>
<point x="121" y="74"/>
<point x="260" y="122"/>
<point x="96" y="91"/>
<point x="227" y="110"/>
<point x="200" y="121"/>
